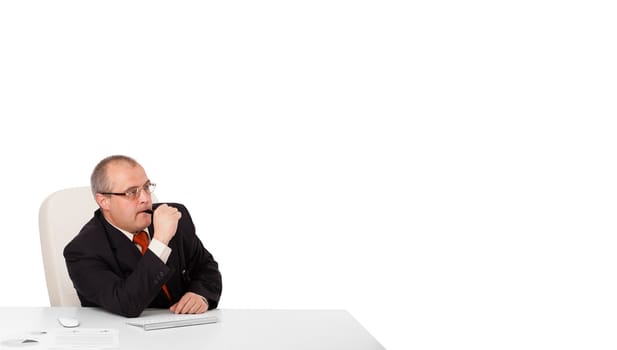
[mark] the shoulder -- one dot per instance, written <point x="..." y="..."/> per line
<point x="91" y="236"/>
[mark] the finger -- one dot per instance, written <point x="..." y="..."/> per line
<point x="196" y="307"/>
<point x="179" y="308"/>
<point x="186" y="305"/>
<point x="202" y="308"/>
<point x="190" y="306"/>
<point x="179" y="305"/>
<point x="176" y="212"/>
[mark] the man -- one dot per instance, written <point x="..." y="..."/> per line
<point x="110" y="270"/>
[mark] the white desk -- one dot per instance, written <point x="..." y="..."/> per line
<point x="235" y="330"/>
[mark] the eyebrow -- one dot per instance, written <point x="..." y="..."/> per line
<point x="135" y="187"/>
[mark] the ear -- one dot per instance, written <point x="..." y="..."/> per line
<point x="102" y="200"/>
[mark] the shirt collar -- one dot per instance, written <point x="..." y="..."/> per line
<point x="128" y="234"/>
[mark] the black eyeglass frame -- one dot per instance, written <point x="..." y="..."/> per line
<point x="149" y="187"/>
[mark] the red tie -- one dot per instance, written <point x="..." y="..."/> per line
<point x="141" y="239"/>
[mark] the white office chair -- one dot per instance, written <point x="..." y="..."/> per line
<point x="61" y="216"/>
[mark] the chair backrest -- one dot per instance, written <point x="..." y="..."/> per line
<point x="61" y="216"/>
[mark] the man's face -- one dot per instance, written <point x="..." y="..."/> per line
<point x="122" y="211"/>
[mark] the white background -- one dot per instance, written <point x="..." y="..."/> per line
<point x="444" y="170"/>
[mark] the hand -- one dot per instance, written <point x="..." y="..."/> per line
<point x="190" y="303"/>
<point x="165" y="223"/>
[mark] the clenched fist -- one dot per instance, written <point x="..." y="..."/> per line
<point x="165" y="220"/>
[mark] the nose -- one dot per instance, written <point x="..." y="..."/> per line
<point x="144" y="195"/>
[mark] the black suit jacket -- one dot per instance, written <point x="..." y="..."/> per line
<point x="108" y="270"/>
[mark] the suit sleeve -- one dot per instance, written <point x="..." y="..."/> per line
<point x="99" y="284"/>
<point x="204" y="277"/>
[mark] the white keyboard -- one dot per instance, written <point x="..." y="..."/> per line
<point x="160" y="321"/>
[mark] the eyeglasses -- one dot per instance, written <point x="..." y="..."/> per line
<point x="134" y="192"/>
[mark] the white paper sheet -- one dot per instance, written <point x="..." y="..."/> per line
<point x="85" y="338"/>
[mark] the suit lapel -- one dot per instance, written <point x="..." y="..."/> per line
<point x="127" y="255"/>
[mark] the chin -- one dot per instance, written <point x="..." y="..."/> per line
<point x="144" y="222"/>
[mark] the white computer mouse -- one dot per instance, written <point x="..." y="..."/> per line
<point x="68" y="322"/>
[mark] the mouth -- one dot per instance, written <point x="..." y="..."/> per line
<point x="148" y="211"/>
